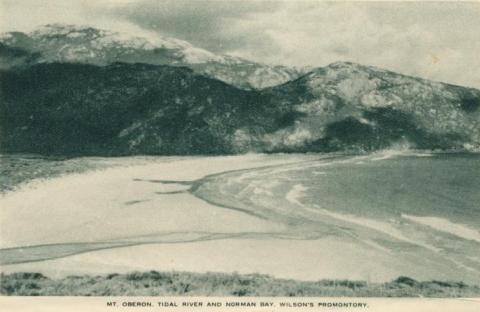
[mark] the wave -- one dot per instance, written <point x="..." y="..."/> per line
<point x="444" y="225"/>
<point x="298" y="191"/>
<point x="396" y="151"/>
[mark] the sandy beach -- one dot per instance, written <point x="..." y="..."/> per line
<point x="144" y="217"/>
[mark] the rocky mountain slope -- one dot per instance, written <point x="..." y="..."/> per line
<point x="350" y="106"/>
<point x="87" y="45"/>
<point x="124" y="108"/>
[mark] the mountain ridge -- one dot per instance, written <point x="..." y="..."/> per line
<point x="125" y="109"/>
<point x="85" y="44"/>
<point x="81" y="90"/>
<point x="349" y="90"/>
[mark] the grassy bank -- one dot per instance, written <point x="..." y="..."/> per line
<point x="19" y="169"/>
<point x="219" y="284"/>
<point x="16" y="170"/>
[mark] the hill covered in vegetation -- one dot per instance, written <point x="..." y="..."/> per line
<point x="127" y="109"/>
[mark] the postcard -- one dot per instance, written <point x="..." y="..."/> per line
<point x="239" y="155"/>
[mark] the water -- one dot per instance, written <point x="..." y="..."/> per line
<point x="445" y="186"/>
<point x="416" y="207"/>
<point x="373" y="217"/>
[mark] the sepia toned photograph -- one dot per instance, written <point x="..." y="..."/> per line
<point x="206" y="148"/>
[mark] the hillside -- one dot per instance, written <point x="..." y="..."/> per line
<point x="125" y="109"/>
<point x="351" y="106"/>
<point x="84" y="91"/>
<point x="120" y="109"/>
<point x="72" y="108"/>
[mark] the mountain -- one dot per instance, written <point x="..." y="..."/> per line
<point x="87" y="45"/>
<point x="63" y="108"/>
<point x="11" y="57"/>
<point x="351" y="106"/>
<point x="134" y="108"/>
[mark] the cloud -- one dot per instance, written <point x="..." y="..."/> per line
<point x="433" y="40"/>
<point x="211" y="25"/>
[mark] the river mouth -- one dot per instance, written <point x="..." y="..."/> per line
<point x="404" y="205"/>
<point x="406" y="214"/>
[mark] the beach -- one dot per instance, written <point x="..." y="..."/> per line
<point x="204" y="214"/>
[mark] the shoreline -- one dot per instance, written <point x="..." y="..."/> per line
<point x="147" y="194"/>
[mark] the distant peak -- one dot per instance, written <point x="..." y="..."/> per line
<point x="348" y="65"/>
<point x="342" y="64"/>
<point x="63" y="29"/>
<point x="69" y="27"/>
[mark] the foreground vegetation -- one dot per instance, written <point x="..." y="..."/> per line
<point x="18" y="169"/>
<point x="219" y="284"/>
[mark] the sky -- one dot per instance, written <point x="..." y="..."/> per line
<point x="433" y="40"/>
